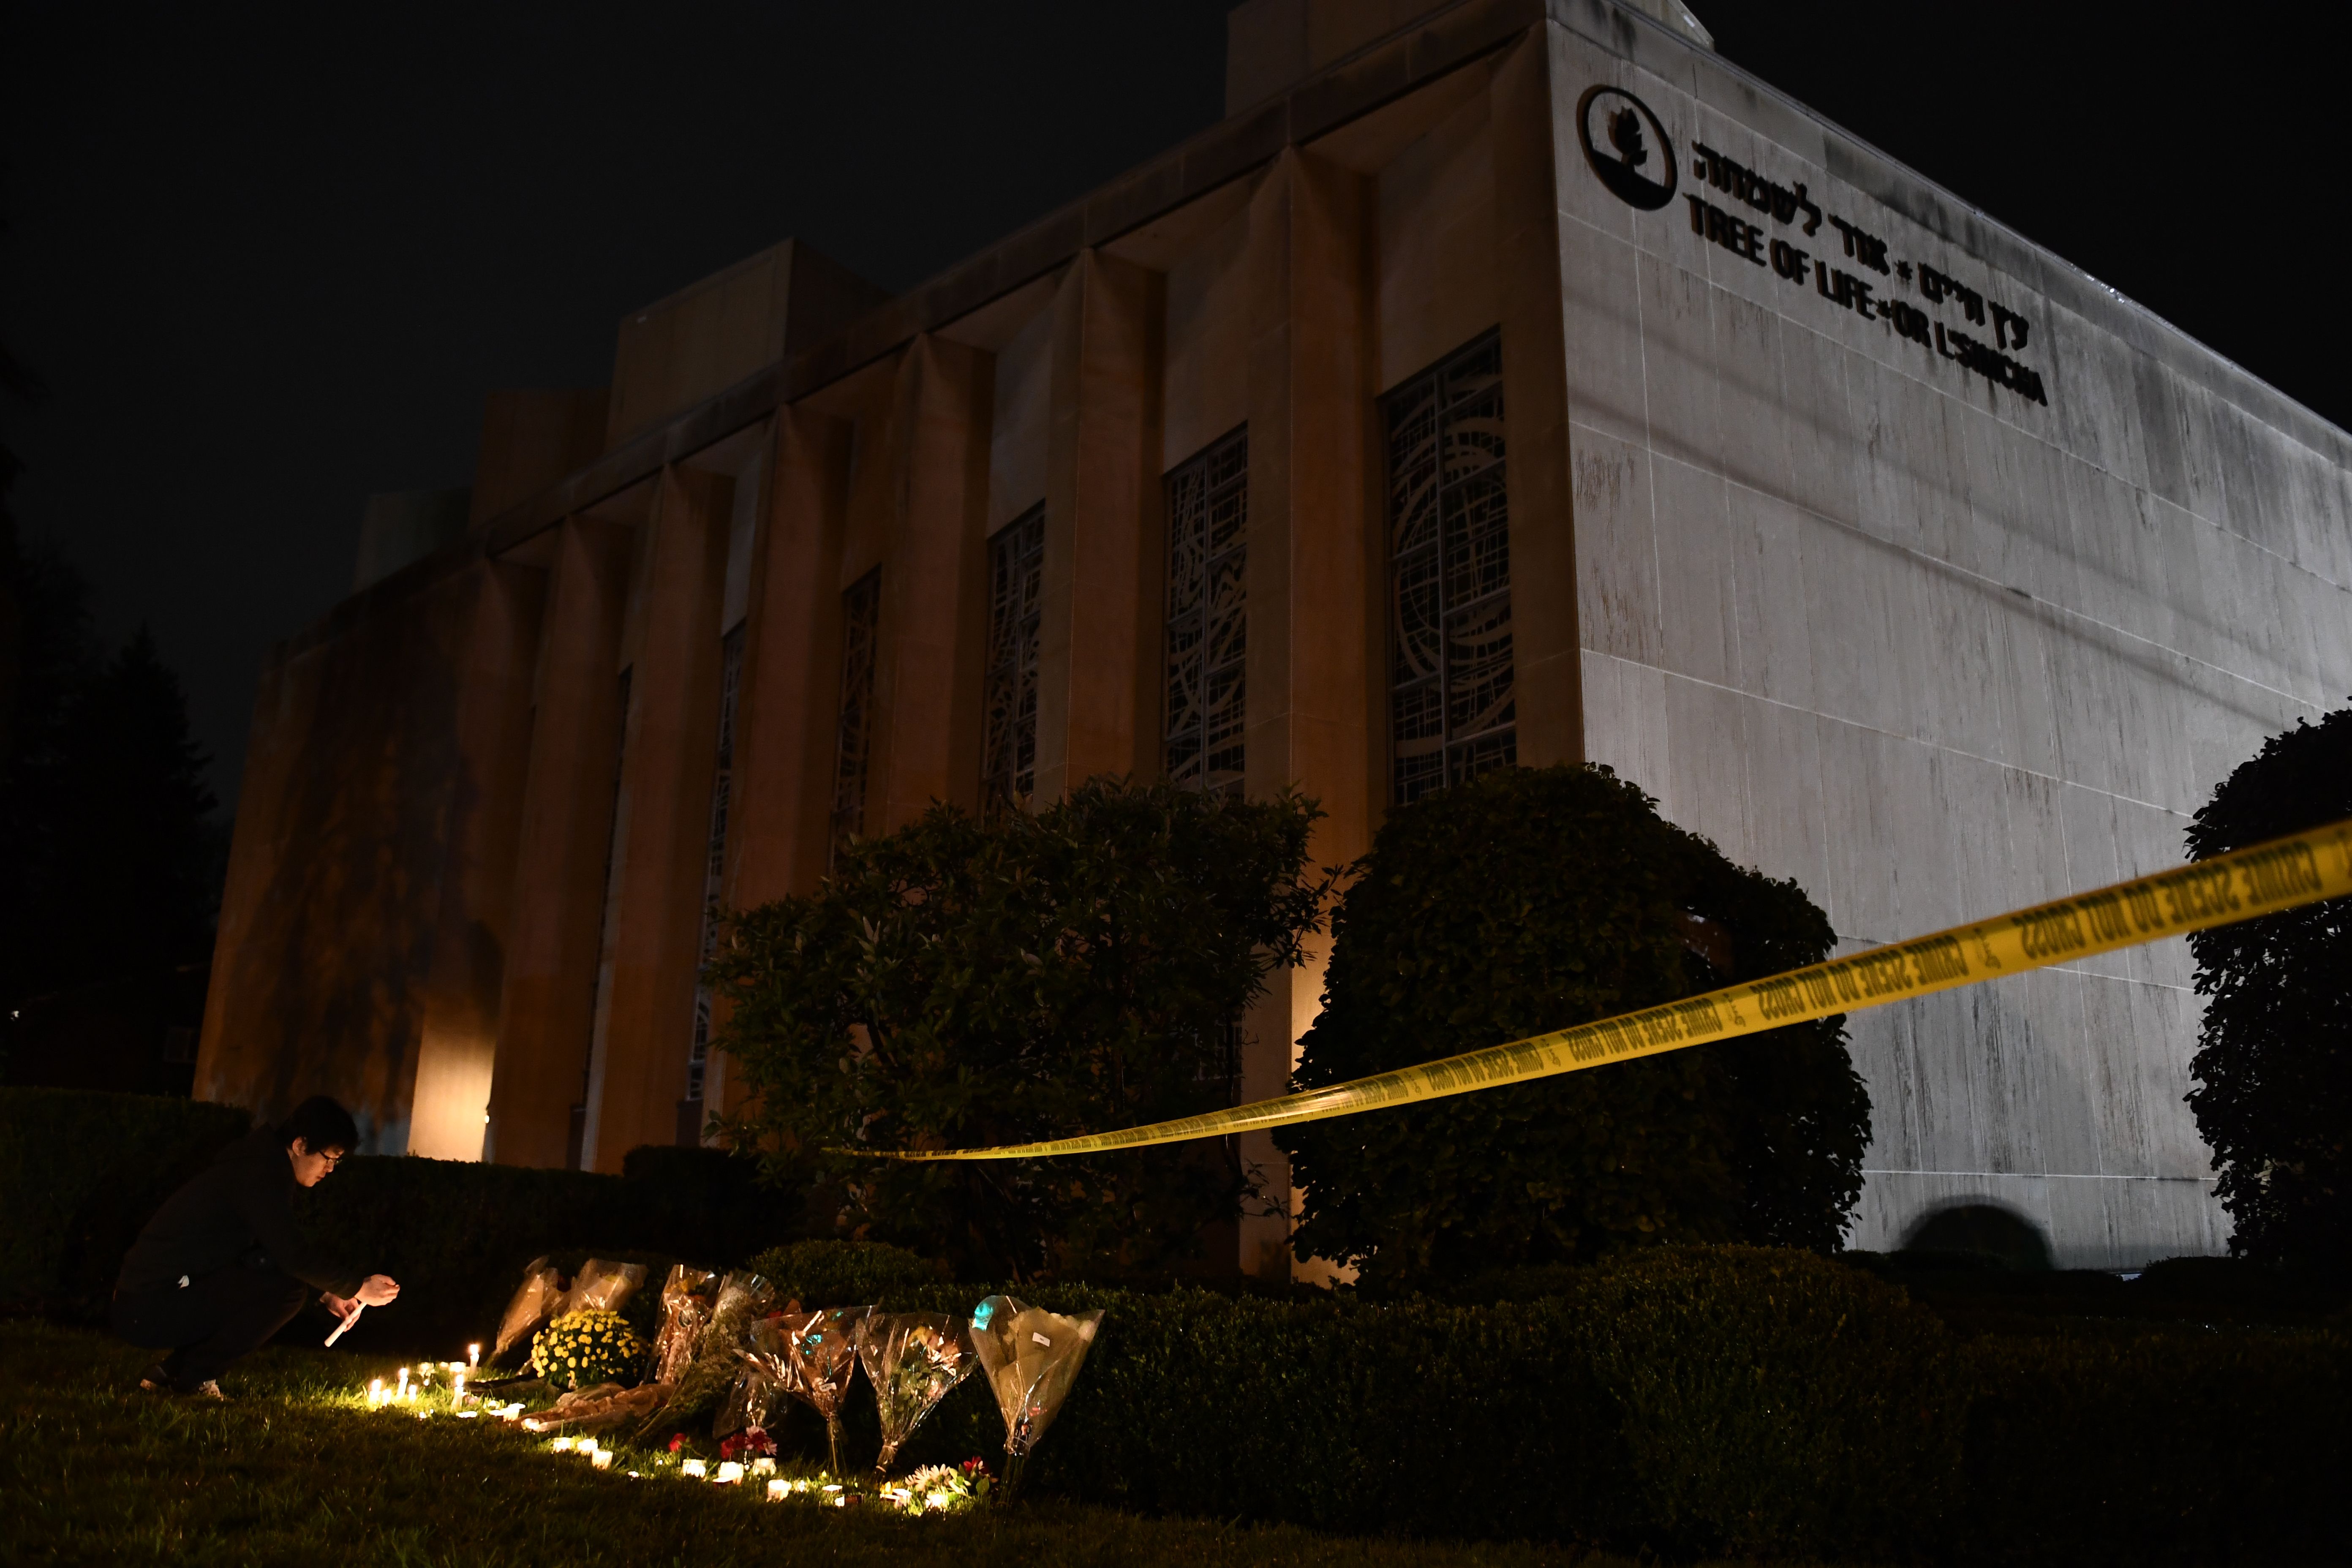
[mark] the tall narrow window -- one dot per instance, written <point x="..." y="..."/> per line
<point x="714" y="874"/>
<point x="1008" y="769"/>
<point x="1451" y="710"/>
<point x="861" y="618"/>
<point x="1208" y="626"/>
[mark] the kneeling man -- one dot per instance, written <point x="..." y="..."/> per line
<point x="220" y="1267"/>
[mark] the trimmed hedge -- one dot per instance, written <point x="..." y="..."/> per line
<point x="456" y="1235"/>
<point x="1772" y="1401"/>
<point x="2174" y="1447"/>
<point x="1673" y="1400"/>
<point x="844" y="1273"/>
<point x="1677" y="1401"/>
<point x="83" y="1171"/>
<point x="80" y="1171"/>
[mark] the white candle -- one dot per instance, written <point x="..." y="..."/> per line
<point x="564" y="1444"/>
<point x="764" y="1466"/>
<point x="694" y="1468"/>
<point x="777" y="1490"/>
<point x="602" y="1458"/>
<point x="375" y="1392"/>
<point x="473" y="1356"/>
<point x="404" y="1383"/>
<point x="729" y="1473"/>
<point x="458" y="1389"/>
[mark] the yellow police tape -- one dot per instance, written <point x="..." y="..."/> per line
<point x="2284" y="874"/>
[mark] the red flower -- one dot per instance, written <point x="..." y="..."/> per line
<point x="750" y="1440"/>
<point x="678" y="1441"/>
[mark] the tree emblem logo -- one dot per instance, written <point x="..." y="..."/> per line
<point x="1626" y="146"/>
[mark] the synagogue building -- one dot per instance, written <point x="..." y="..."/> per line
<point x="1500" y="382"/>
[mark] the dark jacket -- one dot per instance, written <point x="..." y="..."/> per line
<point x="240" y="1205"/>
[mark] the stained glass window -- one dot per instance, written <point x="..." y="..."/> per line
<point x="714" y="871"/>
<point x="1016" y="558"/>
<point x="1208" y="624"/>
<point x="1450" y="714"/>
<point x="861" y="618"/>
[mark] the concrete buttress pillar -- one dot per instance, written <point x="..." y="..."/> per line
<point x="1099" y="639"/>
<point x="565" y="829"/>
<point x="653" y="931"/>
<point x="786" y="710"/>
<point x="1314" y="570"/>
<point x="787" y="707"/>
<point x="1545" y="642"/>
<point x="458" y="1040"/>
<point x="934" y="585"/>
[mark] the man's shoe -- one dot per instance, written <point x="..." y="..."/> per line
<point x="208" y="1389"/>
<point x="155" y="1380"/>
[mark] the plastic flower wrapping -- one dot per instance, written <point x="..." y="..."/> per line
<point x="534" y="1303"/>
<point x="821" y="1349"/>
<point x="767" y="1376"/>
<point x="913" y="1360"/>
<point x="686" y="1299"/>
<point x="602" y="1286"/>
<point x="580" y="1349"/>
<point x="1032" y="1357"/>
<point x="742" y="1299"/>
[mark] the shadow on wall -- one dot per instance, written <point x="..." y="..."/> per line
<point x="1983" y="1230"/>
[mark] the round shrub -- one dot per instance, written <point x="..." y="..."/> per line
<point x="844" y="1273"/>
<point x="580" y="1349"/>
<point x="1531" y="900"/>
<point x="1771" y="1400"/>
<point x="2273" y="1065"/>
<point x="961" y="983"/>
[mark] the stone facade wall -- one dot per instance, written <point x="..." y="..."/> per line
<point x="1931" y="645"/>
<point x="327" y="921"/>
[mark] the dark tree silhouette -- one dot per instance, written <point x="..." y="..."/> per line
<point x="2274" y="1070"/>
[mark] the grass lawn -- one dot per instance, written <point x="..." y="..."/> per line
<point x="296" y="1470"/>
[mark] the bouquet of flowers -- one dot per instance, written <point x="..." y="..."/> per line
<point x="742" y="1299"/>
<point x="766" y="1377"/>
<point x="581" y="1349"/>
<point x="821" y="1348"/>
<point x="913" y="1360"/>
<point x="686" y="1299"/>
<point x="1032" y="1357"/>
<point x="532" y="1305"/>
<point x="602" y="1286"/>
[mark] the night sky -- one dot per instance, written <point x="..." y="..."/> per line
<point x="268" y="260"/>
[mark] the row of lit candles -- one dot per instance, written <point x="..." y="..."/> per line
<point x="729" y="1472"/>
<point x="378" y="1394"/>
